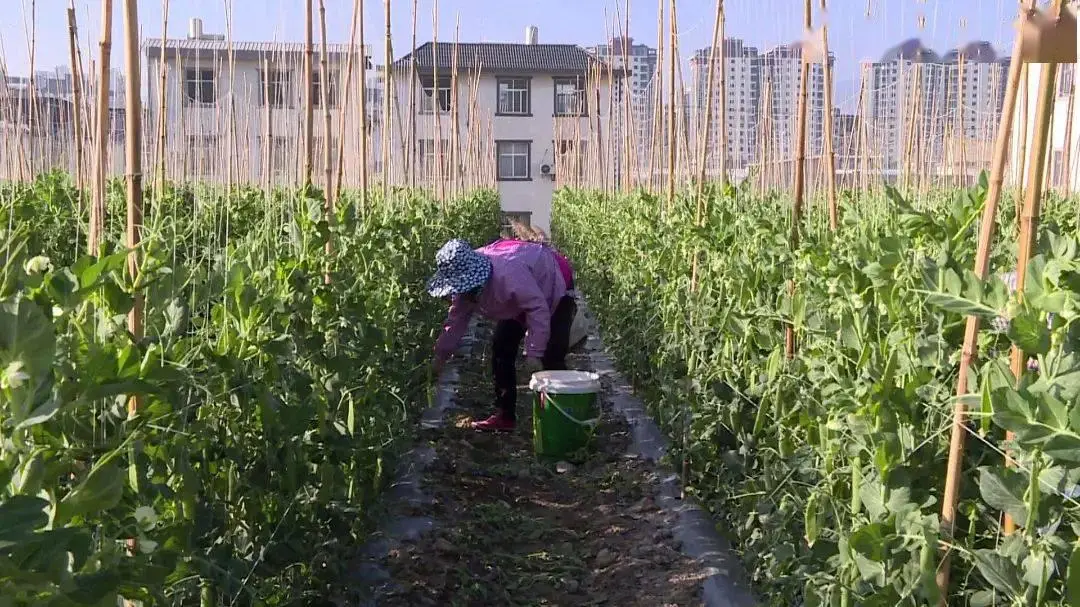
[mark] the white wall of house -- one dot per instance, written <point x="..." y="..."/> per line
<point x="1061" y="176"/>
<point x="539" y="128"/>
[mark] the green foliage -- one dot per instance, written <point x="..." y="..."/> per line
<point x="271" y="402"/>
<point x="826" y="470"/>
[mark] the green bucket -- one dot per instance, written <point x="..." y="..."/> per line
<point x="564" y="411"/>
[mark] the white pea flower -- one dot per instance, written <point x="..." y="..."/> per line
<point x="38" y="265"/>
<point x="13" y="376"/>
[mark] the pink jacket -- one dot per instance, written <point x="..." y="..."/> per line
<point x="564" y="263"/>
<point x="526" y="284"/>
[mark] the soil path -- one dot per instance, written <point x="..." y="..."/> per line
<point x="511" y="530"/>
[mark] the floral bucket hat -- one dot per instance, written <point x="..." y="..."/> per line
<point x="460" y="270"/>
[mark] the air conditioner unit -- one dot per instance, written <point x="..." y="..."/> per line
<point x="548" y="170"/>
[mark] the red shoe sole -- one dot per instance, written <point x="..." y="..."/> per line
<point x="480" y="428"/>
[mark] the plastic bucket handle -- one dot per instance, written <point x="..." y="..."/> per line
<point x="588" y="423"/>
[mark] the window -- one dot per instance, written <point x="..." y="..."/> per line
<point x="570" y="157"/>
<point x="570" y="97"/>
<point x="522" y="217"/>
<point x="426" y="153"/>
<point x="276" y="89"/>
<point x="443" y="94"/>
<point x="513" y="157"/>
<point x="199" y="86"/>
<point x="317" y="93"/>
<point x="514" y="96"/>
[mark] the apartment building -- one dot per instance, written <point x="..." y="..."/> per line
<point x="545" y="121"/>
<point x="742" y="70"/>
<point x="639" y="64"/>
<point x="236" y="109"/>
<point x="781" y="70"/>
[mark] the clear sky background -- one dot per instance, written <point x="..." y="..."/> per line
<point x="854" y="36"/>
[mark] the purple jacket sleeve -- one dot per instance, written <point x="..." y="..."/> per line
<point x="537" y="317"/>
<point x="454" y="328"/>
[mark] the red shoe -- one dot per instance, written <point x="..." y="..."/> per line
<point x="495" y="423"/>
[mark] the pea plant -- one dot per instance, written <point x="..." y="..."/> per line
<point x="274" y="385"/>
<point x="826" y="468"/>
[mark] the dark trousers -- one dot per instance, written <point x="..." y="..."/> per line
<point x="507" y="343"/>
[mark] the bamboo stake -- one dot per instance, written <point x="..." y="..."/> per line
<point x="76" y="84"/>
<point x="163" y="75"/>
<point x="357" y="9"/>
<point x="32" y="119"/>
<point x="454" y="116"/>
<point x="436" y="122"/>
<point x="411" y="150"/>
<point x="268" y="138"/>
<point x="97" y="208"/>
<point x="829" y="149"/>
<point x="1066" y="159"/>
<point x="324" y="92"/>
<point x="800" y="162"/>
<point x="362" y="95"/>
<point x="309" y="108"/>
<point x="1029" y="221"/>
<point x="655" y="145"/>
<point x="133" y="144"/>
<point x="987" y="228"/>
<point x="671" y="155"/>
<point x="703" y="150"/>
<point x="388" y="88"/>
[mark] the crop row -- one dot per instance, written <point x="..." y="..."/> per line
<point x="273" y="386"/>
<point x="826" y="469"/>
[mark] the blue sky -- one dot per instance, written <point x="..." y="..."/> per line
<point x="854" y="36"/>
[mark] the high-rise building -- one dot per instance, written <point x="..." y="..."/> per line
<point x="781" y="71"/>
<point x="640" y="63"/>
<point x="742" y="96"/>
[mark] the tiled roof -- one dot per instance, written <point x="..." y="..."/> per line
<point x="188" y="45"/>
<point x="502" y="57"/>
<point x="979" y="51"/>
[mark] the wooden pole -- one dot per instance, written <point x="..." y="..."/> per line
<point x="703" y="150"/>
<point x="987" y="227"/>
<point x="309" y="106"/>
<point x="672" y="95"/>
<point x="76" y="84"/>
<point x="365" y="127"/>
<point x="162" y="114"/>
<point x="358" y="7"/>
<point x="829" y="150"/>
<point x="324" y="92"/>
<point x="800" y="168"/>
<point x="97" y="207"/>
<point x="133" y="145"/>
<point x="1029" y="220"/>
<point x="1066" y="155"/>
<point x="411" y="149"/>
<point x="454" y="116"/>
<point x="388" y="88"/>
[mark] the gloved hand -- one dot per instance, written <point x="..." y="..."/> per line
<point x="532" y="365"/>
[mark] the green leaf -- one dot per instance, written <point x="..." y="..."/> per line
<point x="1004" y="493"/>
<point x="1030" y="333"/>
<point x="1072" y="580"/>
<point x="869" y="541"/>
<point x="21" y="515"/>
<point x="999" y="571"/>
<point x="102" y="489"/>
<point x="42" y="414"/>
<point x="26" y="336"/>
<point x="960" y="305"/>
<point x="1038" y="567"/>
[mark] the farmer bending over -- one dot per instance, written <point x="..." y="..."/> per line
<point x="520" y="285"/>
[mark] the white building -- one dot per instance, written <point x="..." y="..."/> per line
<point x="539" y="101"/>
<point x="781" y="67"/>
<point x="235" y="110"/>
<point x="640" y="64"/>
<point x="743" y="85"/>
